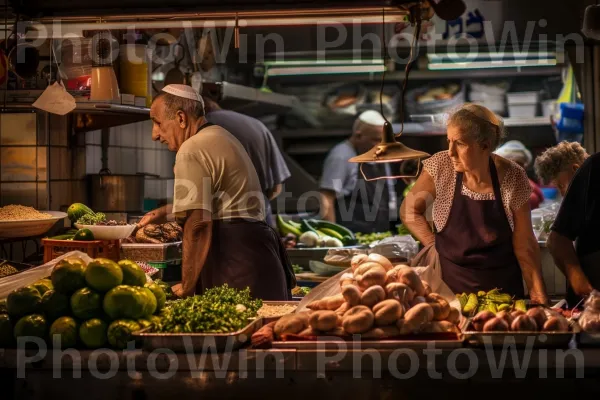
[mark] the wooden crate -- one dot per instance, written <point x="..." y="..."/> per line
<point x="95" y="248"/>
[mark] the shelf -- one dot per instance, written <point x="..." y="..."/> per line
<point x="396" y="76"/>
<point x="534" y="121"/>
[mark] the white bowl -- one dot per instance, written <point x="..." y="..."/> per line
<point x="30" y="227"/>
<point x="106" y="232"/>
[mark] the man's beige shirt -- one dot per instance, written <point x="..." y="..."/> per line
<point x="213" y="172"/>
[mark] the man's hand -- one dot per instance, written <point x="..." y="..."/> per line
<point x="581" y="286"/>
<point x="538" y="298"/>
<point x="178" y="290"/>
<point x="149" y="218"/>
<point x="157" y="216"/>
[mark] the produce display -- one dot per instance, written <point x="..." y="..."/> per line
<point x="368" y="238"/>
<point x="92" y="305"/>
<point x="219" y="310"/>
<point x="312" y="233"/>
<point x="14" y="212"/>
<point x="494" y="301"/>
<point x="276" y="310"/>
<point x="535" y="319"/>
<point x="300" y="291"/>
<point x="158" y="233"/>
<point x="81" y="214"/>
<point x="7" y="270"/>
<point x="377" y="301"/>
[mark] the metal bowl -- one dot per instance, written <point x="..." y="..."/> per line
<point x="29" y="227"/>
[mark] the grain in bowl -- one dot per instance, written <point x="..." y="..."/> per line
<point x="15" y="212"/>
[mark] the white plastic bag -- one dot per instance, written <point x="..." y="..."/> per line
<point x="34" y="274"/>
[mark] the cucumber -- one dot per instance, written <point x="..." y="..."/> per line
<point x="342" y="230"/>
<point x="66" y="236"/>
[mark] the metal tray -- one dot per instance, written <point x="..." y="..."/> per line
<point x="440" y="341"/>
<point x="197" y="342"/>
<point x="520" y="339"/>
<point x="267" y="320"/>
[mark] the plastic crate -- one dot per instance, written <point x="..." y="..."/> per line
<point x="110" y="249"/>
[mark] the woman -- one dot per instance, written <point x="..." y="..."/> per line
<point x="516" y="151"/>
<point x="484" y="236"/>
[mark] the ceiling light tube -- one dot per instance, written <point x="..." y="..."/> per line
<point x="316" y="70"/>
<point x="490" y="64"/>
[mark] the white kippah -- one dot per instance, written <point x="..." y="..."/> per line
<point x="372" y="117"/>
<point x="185" y="91"/>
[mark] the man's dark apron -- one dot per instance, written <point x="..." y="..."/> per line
<point x="247" y="253"/>
<point x="475" y="246"/>
<point x="366" y="209"/>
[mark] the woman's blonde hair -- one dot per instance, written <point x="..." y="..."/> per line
<point x="478" y="123"/>
<point x="557" y="159"/>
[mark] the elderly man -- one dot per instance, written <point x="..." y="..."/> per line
<point x="261" y="147"/>
<point x="361" y="205"/>
<point x="218" y="199"/>
<point x="576" y="175"/>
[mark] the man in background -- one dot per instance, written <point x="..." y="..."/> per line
<point x="362" y="205"/>
<point x="259" y="144"/>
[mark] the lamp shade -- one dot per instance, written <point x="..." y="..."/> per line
<point x="389" y="150"/>
<point x="104" y="84"/>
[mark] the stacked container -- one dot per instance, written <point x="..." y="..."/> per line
<point x="523" y="104"/>
<point x="490" y="96"/>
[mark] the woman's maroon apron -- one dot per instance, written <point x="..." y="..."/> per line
<point x="475" y="246"/>
<point x="247" y="253"/>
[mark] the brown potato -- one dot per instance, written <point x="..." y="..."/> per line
<point x="441" y="308"/>
<point x="556" y="324"/>
<point x="409" y="277"/>
<point x="415" y="318"/>
<point x="323" y="320"/>
<point x="523" y="323"/>
<point x="516" y="313"/>
<point x="357" y="260"/>
<point x="327" y="303"/>
<point x="426" y="286"/>
<point x="440" y="327"/>
<point x="539" y="316"/>
<point x="418" y="300"/>
<point x="507" y="316"/>
<point x="291" y="324"/>
<point x="453" y="316"/>
<point x="382" y="332"/>
<point x="495" y="325"/>
<point x="387" y="312"/>
<point x="372" y="296"/>
<point x="384" y="262"/>
<point x="373" y="277"/>
<point x="400" y="292"/>
<point x="309" y="332"/>
<point x="358" y="319"/>
<point x="393" y="275"/>
<point x="366" y="267"/>
<point x="351" y="294"/>
<point x="347" y="279"/>
<point x="341" y="310"/>
<point x="481" y="318"/>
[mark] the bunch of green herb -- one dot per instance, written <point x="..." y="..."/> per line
<point x="91" y="219"/>
<point x="297" y="269"/>
<point x="219" y="310"/>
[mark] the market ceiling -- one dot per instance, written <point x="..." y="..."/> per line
<point x="45" y="8"/>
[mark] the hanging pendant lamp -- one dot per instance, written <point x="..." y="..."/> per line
<point x="104" y="81"/>
<point x="389" y="149"/>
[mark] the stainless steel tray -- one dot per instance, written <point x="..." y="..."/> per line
<point x="534" y="339"/>
<point x="197" y="342"/>
<point x="267" y="320"/>
<point x="327" y="343"/>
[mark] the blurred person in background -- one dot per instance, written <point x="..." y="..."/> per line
<point x="516" y="151"/>
<point x="557" y="165"/>
<point x="346" y="197"/>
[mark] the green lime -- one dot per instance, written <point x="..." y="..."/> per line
<point x="86" y="303"/>
<point x="133" y="274"/>
<point x="120" y="331"/>
<point x="93" y="333"/>
<point x="103" y="274"/>
<point x="66" y="328"/>
<point x="125" y="302"/>
<point x="6" y="331"/>
<point x="31" y="325"/>
<point x="23" y="301"/>
<point x="68" y="275"/>
<point x="54" y="305"/>
<point x="84" y="235"/>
